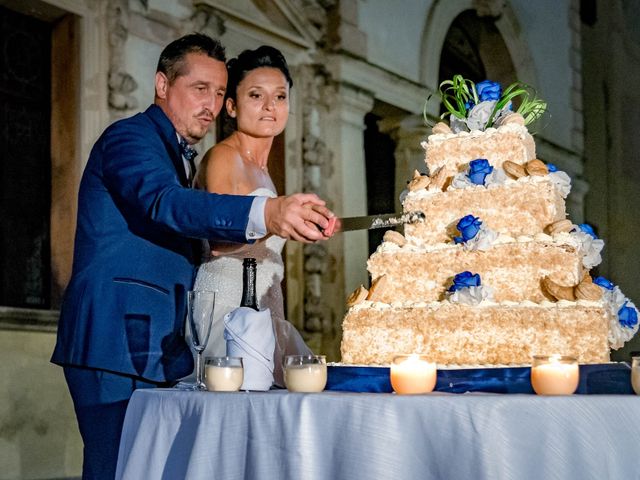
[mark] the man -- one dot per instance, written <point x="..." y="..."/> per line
<point x="136" y="247"/>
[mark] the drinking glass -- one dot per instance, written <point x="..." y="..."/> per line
<point x="200" y="307"/>
<point x="305" y="373"/>
<point x="635" y="374"/>
<point x="223" y="374"/>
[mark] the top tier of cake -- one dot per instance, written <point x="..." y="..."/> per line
<point x="453" y="152"/>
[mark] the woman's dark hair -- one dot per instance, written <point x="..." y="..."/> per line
<point x="264" y="56"/>
<point x="171" y="61"/>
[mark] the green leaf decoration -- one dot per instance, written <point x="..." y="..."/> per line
<point x="531" y="107"/>
<point x="455" y="93"/>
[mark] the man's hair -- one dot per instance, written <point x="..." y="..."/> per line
<point x="172" y="59"/>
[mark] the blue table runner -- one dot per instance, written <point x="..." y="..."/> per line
<point x="608" y="378"/>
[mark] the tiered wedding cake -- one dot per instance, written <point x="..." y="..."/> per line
<point x="496" y="273"/>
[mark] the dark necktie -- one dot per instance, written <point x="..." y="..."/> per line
<point x="190" y="154"/>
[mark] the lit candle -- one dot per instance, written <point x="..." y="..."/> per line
<point x="635" y="375"/>
<point x="412" y="374"/>
<point x="223" y="374"/>
<point x="554" y="375"/>
<point x="305" y="373"/>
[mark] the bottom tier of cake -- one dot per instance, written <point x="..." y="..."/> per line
<point x="491" y="334"/>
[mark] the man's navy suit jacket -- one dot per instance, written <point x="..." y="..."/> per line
<point x="134" y="260"/>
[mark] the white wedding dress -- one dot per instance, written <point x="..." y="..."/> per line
<point x="223" y="274"/>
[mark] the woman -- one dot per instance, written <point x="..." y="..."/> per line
<point x="257" y="98"/>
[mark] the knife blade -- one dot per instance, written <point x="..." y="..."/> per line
<point x="369" y="222"/>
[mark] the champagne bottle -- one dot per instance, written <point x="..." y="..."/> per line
<point x="249" y="298"/>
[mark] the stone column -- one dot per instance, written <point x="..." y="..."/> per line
<point x="407" y="132"/>
<point x="345" y="135"/>
<point x="334" y="166"/>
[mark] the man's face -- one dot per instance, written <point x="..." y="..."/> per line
<point x="193" y="101"/>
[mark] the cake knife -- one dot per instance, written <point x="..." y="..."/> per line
<point x="368" y="222"/>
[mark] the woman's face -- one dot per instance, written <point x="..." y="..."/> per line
<point x="262" y="103"/>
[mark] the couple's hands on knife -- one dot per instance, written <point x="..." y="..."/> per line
<point x="301" y="216"/>
<point x="304" y="217"/>
<point x="333" y="221"/>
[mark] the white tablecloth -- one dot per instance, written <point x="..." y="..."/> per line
<point x="176" y="435"/>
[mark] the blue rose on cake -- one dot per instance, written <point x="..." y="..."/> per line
<point x="478" y="170"/>
<point x="474" y="235"/>
<point x="628" y="315"/>
<point x="467" y="289"/>
<point x="488" y="90"/>
<point x="623" y="313"/>
<point x="468" y="226"/>
<point x="479" y="173"/>
<point x="603" y="282"/>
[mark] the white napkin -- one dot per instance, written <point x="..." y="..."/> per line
<point x="249" y="334"/>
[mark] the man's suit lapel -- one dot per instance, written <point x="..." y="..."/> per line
<point x="168" y="134"/>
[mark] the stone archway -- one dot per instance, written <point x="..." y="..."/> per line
<point x="439" y="20"/>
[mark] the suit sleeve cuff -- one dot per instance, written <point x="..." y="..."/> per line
<point x="256" y="227"/>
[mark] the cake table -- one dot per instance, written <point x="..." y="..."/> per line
<point x="171" y="434"/>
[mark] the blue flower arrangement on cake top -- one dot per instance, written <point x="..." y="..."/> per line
<point x="473" y="234"/>
<point x="467" y="289"/>
<point x="472" y="106"/>
<point x="624" y="314"/>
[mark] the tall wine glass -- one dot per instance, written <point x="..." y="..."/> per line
<point x="200" y="307"/>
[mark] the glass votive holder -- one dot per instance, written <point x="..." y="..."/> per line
<point x="554" y="374"/>
<point x="412" y="374"/>
<point x="635" y="374"/>
<point x="305" y="373"/>
<point x="223" y="374"/>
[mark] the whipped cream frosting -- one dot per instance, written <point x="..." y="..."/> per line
<point x="367" y="304"/>
<point x="508" y="183"/>
<point x="558" y="239"/>
<point x="509" y="128"/>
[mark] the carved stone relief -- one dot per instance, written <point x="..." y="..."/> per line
<point x="489" y="8"/>
<point x="205" y="20"/>
<point x="317" y="166"/>
<point x="121" y="84"/>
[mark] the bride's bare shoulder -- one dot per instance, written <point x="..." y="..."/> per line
<point x="223" y="169"/>
<point x="223" y="154"/>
